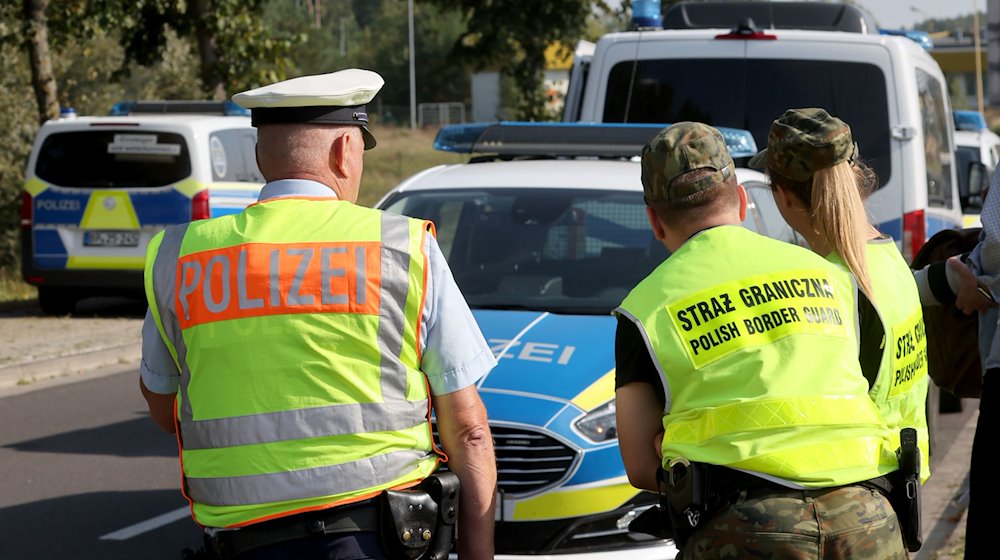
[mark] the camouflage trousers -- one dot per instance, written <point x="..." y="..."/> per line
<point x="851" y="522"/>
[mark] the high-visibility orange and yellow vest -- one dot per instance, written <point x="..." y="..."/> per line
<point x="295" y="326"/>
<point x="900" y="390"/>
<point x="756" y="346"/>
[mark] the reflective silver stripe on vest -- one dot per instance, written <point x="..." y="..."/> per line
<point x="165" y="290"/>
<point x="392" y="308"/>
<point x="370" y="472"/>
<point x="304" y="423"/>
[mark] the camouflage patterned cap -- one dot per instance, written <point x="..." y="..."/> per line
<point x="679" y="149"/>
<point x="803" y="141"/>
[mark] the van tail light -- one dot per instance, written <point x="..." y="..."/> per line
<point x="914" y="233"/>
<point x="756" y="36"/>
<point x="26" y="215"/>
<point x="199" y="206"/>
<point x="747" y="30"/>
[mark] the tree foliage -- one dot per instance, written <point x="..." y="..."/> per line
<point x="374" y="34"/>
<point x="235" y="49"/>
<point x="512" y="36"/>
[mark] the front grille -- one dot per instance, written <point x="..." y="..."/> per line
<point x="528" y="460"/>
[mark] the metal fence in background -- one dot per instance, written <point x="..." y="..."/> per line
<point x="438" y="114"/>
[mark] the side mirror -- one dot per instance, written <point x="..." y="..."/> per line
<point x="978" y="184"/>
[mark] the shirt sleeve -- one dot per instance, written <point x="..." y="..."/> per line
<point x="985" y="261"/>
<point x="455" y="353"/>
<point x="633" y="363"/>
<point x="872" y="339"/>
<point x="157" y="368"/>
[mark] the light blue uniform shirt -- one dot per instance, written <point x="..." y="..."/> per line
<point x="454" y="352"/>
<point x="985" y="261"/>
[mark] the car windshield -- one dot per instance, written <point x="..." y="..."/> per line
<point x="559" y="250"/>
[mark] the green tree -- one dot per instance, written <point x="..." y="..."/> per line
<point x="512" y="35"/>
<point x="374" y="35"/>
<point x="36" y="43"/>
<point x="235" y="49"/>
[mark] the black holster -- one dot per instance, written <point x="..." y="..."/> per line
<point x="683" y="504"/>
<point x="904" y="494"/>
<point x="419" y="523"/>
<point x="655" y="521"/>
<point x="687" y="496"/>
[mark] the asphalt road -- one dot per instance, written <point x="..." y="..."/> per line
<point x="87" y="475"/>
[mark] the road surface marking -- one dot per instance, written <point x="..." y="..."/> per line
<point x="148" y="525"/>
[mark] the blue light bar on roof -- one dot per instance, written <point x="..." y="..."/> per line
<point x="969" y="120"/>
<point x="646" y="14"/>
<point x="227" y="108"/>
<point x="511" y="138"/>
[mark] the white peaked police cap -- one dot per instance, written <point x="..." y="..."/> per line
<point x="336" y="98"/>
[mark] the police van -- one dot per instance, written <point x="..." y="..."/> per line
<point x="97" y="188"/>
<point x="742" y="64"/>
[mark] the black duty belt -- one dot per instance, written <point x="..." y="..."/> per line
<point x="343" y="519"/>
<point x="726" y="484"/>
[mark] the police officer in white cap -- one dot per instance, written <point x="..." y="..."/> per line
<point x="298" y="347"/>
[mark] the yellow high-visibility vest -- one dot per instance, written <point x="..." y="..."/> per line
<point x="756" y="344"/>
<point x="900" y="390"/>
<point x="295" y="327"/>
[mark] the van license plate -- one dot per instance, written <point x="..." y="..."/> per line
<point x="111" y="238"/>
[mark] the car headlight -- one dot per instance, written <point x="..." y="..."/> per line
<point x="599" y="424"/>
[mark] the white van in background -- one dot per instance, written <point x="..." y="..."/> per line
<point x="742" y="64"/>
<point x="976" y="157"/>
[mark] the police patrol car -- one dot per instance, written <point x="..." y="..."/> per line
<point x="977" y="153"/>
<point x="545" y="236"/>
<point x="98" y="188"/>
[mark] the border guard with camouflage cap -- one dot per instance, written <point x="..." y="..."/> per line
<point x="739" y="393"/>
<point x="298" y="349"/>
<point x="819" y="185"/>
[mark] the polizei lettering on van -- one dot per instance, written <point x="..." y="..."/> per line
<point x="259" y="279"/>
<point x="58" y="205"/>
<point x="756" y="311"/>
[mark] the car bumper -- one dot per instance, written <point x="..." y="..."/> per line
<point x="657" y="552"/>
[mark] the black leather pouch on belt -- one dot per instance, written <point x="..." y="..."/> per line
<point x="419" y="523"/>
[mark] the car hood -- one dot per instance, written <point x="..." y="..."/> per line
<point x="549" y="366"/>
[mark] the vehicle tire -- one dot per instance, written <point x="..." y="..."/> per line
<point x="934" y="394"/>
<point x="950" y="403"/>
<point x="56" y="301"/>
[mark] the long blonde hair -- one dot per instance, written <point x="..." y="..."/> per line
<point x="837" y="212"/>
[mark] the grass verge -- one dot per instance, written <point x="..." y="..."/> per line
<point x="13" y="290"/>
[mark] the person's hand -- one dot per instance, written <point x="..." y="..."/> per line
<point x="971" y="297"/>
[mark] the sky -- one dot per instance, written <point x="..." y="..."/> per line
<point x="895" y="14"/>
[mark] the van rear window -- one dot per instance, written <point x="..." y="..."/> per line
<point x="751" y="93"/>
<point x="113" y="159"/>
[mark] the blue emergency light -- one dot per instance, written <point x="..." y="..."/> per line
<point x="646" y="14"/>
<point x="227" y="108"/>
<point x="568" y="139"/>
<point x="969" y="120"/>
